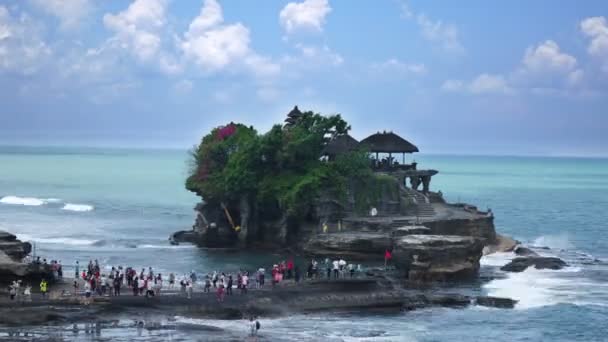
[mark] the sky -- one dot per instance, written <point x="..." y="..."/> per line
<point x="459" y="77"/>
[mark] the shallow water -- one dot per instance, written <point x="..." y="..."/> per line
<point x="119" y="206"/>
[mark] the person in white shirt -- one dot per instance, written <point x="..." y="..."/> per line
<point x="336" y="267"/>
<point x="245" y="282"/>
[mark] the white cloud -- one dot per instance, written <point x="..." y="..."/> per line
<point x="138" y="28"/>
<point x="306" y="15"/>
<point x="482" y="84"/>
<point x="445" y="35"/>
<point x="183" y="86"/>
<point x="486" y="83"/>
<point x="544" y="69"/>
<point x="22" y="48"/>
<point x="319" y="54"/>
<point x="395" y="65"/>
<point x="214" y="45"/>
<point x="547" y="57"/>
<point x="70" y="12"/>
<point x="545" y="65"/>
<point x="453" y="85"/>
<point x="596" y="28"/>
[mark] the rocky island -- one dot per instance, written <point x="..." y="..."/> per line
<point x="309" y="187"/>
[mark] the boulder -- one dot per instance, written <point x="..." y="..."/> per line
<point x="437" y="257"/>
<point x="522" y="263"/>
<point x="496" y="302"/>
<point x="524" y="251"/>
<point x="12" y="252"/>
<point x="350" y="245"/>
<point x="13" y="248"/>
<point x="411" y="230"/>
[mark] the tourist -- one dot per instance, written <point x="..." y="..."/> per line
<point x="207" y="287"/>
<point x="134" y="286"/>
<point x="193" y="277"/>
<point x="171" y="280"/>
<point x="351" y="270"/>
<point x="252" y="326"/>
<point x="342" y="265"/>
<point x="328" y="268"/>
<point x="43" y="288"/>
<point x="387" y="257"/>
<point x="103" y="284"/>
<point x="59" y="270"/>
<point x="117" y="283"/>
<point x="141" y="284"/>
<point x="336" y="268"/>
<point x="149" y="288"/>
<point x="158" y="284"/>
<point x="27" y="293"/>
<point x="77" y="270"/>
<point x="245" y="280"/>
<point x="297" y="274"/>
<point x="262" y="273"/>
<point x="229" y="286"/>
<point x="214" y="279"/>
<point x="87" y="292"/>
<point x="75" y="286"/>
<point x="220" y="292"/>
<point x="12" y="291"/>
<point x="290" y="269"/>
<point x="189" y="290"/>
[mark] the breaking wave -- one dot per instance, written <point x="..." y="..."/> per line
<point x="29" y="201"/>
<point x="533" y="288"/>
<point x="57" y="241"/>
<point x="78" y="207"/>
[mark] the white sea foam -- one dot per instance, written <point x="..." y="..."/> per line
<point x="558" y="241"/>
<point x="78" y="207"/>
<point x="497" y="259"/>
<point x="57" y="241"/>
<point x="535" y="288"/>
<point x="166" y="246"/>
<point x="29" y="201"/>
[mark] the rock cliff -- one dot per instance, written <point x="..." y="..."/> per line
<point x="12" y="253"/>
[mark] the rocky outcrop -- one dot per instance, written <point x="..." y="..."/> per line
<point x="411" y="230"/>
<point x="13" y="248"/>
<point x="349" y="245"/>
<point x="524" y="251"/>
<point x="438" y="257"/>
<point x="496" y="302"/>
<point x="522" y="263"/>
<point x="480" y="227"/>
<point x="12" y="252"/>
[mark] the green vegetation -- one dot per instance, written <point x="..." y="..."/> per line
<point x="281" y="171"/>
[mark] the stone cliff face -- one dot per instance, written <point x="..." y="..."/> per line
<point x="13" y="248"/>
<point x="12" y="252"/>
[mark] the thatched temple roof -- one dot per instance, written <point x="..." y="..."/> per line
<point x="341" y="144"/>
<point x="293" y="116"/>
<point x="388" y="142"/>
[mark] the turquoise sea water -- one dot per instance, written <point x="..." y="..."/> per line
<point x="119" y="206"/>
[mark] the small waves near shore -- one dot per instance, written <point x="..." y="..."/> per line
<point x="582" y="282"/>
<point x="37" y="202"/>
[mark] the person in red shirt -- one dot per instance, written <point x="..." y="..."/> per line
<point x="289" y="268"/>
<point x="387" y="256"/>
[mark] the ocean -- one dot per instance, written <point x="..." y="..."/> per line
<point x="119" y="206"/>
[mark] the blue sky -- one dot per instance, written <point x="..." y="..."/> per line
<point x="467" y="77"/>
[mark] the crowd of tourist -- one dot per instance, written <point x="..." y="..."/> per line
<point x="95" y="280"/>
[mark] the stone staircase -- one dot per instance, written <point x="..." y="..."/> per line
<point x="422" y="207"/>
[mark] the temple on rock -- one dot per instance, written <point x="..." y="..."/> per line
<point x="307" y="185"/>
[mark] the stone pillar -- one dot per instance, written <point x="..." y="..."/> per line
<point x="426" y="182"/>
<point x="415" y="182"/>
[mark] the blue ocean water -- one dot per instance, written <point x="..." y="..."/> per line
<point x="119" y="206"/>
